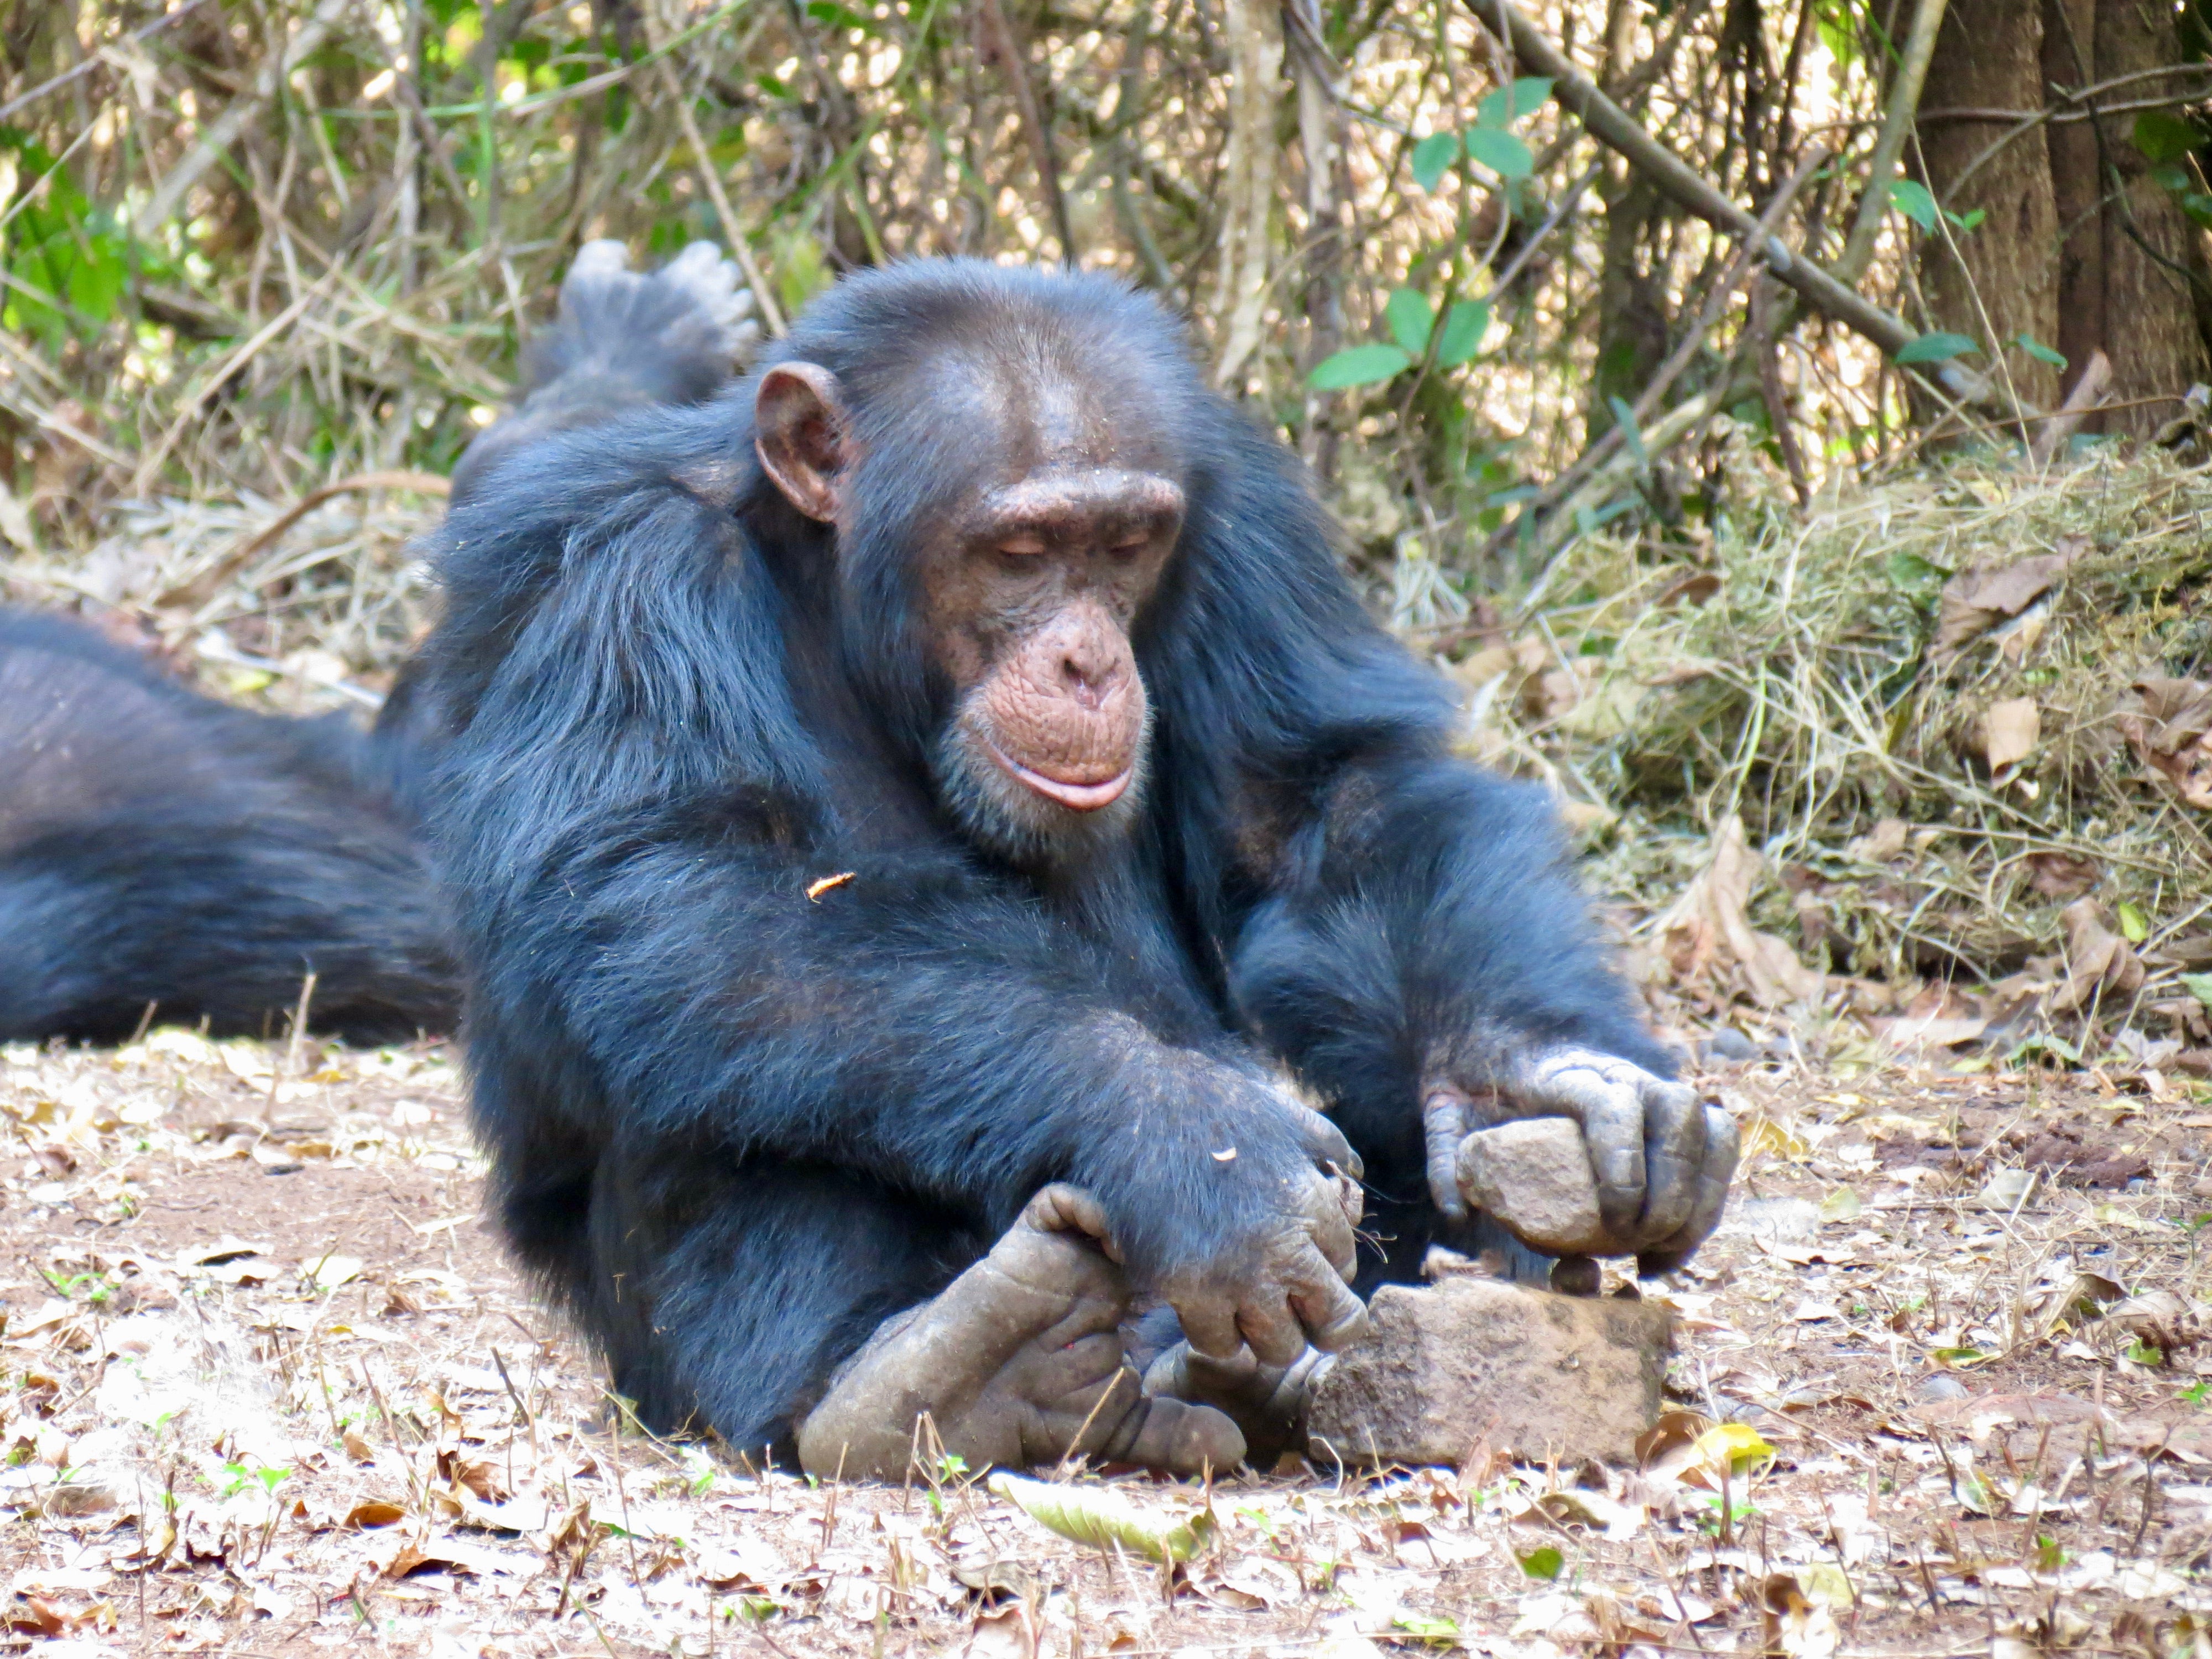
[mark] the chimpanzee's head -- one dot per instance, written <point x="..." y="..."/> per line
<point x="1003" y="459"/>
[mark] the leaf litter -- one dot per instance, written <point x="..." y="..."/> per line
<point x="1941" y="1385"/>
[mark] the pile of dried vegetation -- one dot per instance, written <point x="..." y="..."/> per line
<point x="1963" y="716"/>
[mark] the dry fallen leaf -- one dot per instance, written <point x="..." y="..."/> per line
<point x="2061" y="875"/>
<point x="374" y="1512"/>
<point x="1884" y="843"/>
<point x="1977" y="599"/>
<point x="1707" y="935"/>
<point x="1796" y="1625"/>
<point x="2098" y="960"/>
<point x="1104" y="1518"/>
<point x="2171" y="734"/>
<point x="2009" y="730"/>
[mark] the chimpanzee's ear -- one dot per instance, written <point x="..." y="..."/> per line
<point x="799" y="434"/>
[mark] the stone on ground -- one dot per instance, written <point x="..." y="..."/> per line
<point x="1471" y="1362"/>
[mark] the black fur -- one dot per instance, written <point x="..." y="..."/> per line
<point x="624" y="340"/>
<point x="732" y="1126"/>
<point x="159" y="847"/>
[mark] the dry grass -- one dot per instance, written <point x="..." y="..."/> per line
<point x="1786" y="670"/>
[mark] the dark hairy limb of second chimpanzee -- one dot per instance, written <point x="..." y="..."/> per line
<point x="159" y="847"/>
<point x="952" y="765"/>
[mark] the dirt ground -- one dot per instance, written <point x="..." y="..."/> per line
<point x="1942" y="1386"/>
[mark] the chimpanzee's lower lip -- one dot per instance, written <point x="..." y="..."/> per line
<point x="1076" y="796"/>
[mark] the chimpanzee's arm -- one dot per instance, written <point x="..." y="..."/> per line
<point x="1416" y="947"/>
<point x="909" y="1021"/>
<point x="1426" y="928"/>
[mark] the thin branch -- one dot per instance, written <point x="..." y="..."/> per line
<point x="23" y="100"/>
<point x="1889" y="145"/>
<point x="1568" y="486"/>
<point x="1612" y="126"/>
<point x="219" y="134"/>
<point x="2079" y="105"/>
<point x="1016" y="64"/>
<point x="771" y="313"/>
<point x="2058" y="116"/>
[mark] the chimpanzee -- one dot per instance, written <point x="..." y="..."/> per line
<point x="158" y="847"/>
<point x="927" y="829"/>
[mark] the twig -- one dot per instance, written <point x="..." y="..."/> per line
<point x="92" y="61"/>
<point x="1010" y="57"/>
<point x="1680" y="421"/>
<point x="1251" y="29"/>
<point x="1770" y="390"/>
<point x="771" y="313"/>
<point x="1568" y="486"/>
<point x="1889" y="144"/>
<point x="2080" y="403"/>
<point x="219" y="134"/>
<point x="1553" y="220"/>
<point x="2078" y="104"/>
<point x="150" y="468"/>
<point x="202" y="588"/>
<point x="1675" y="178"/>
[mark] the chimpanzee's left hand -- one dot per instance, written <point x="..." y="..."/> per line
<point x="1662" y="1158"/>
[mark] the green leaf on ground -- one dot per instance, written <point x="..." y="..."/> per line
<point x="1103" y="1518"/>
<point x="1911" y="572"/>
<point x="1543" y="1562"/>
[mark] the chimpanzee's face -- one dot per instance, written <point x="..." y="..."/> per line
<point x="1030" y="587"/>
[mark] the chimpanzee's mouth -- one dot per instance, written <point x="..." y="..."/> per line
<point x="1076" y="796"/>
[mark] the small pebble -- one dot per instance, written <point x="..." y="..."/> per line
<point x="1930" y="1390"/>
<point x="1728" y="1043"/>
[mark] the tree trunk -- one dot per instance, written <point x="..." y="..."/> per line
<point x="1321" y="145"/>
<point x="2069" y="33"/>
<point x="2149" y="244"/>
<point x="1999" y="280"/>
<point x="1253" y="30"/>
<point x="1632" y="313"/>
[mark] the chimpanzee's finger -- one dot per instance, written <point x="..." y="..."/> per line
<point x="1673" y="1152"/>
<point x="1579" y="1084"/>
<point x="1175" y="1436"/>
<point x="1722" y="1146"/>
<point x="1443" y="1125"/>
<point x="1331" y="1210"/>
<point x="1208" y="1317"/>
<point x="1062" y="1208"/>
<point x="1324" y="1142"/>
<point x="1270" y="1326"/>
<point x="1080" y="1363"/>
<point x="1332" y="1317"/>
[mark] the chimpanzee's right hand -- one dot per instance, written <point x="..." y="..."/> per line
<point x="1245" y="1222"/>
